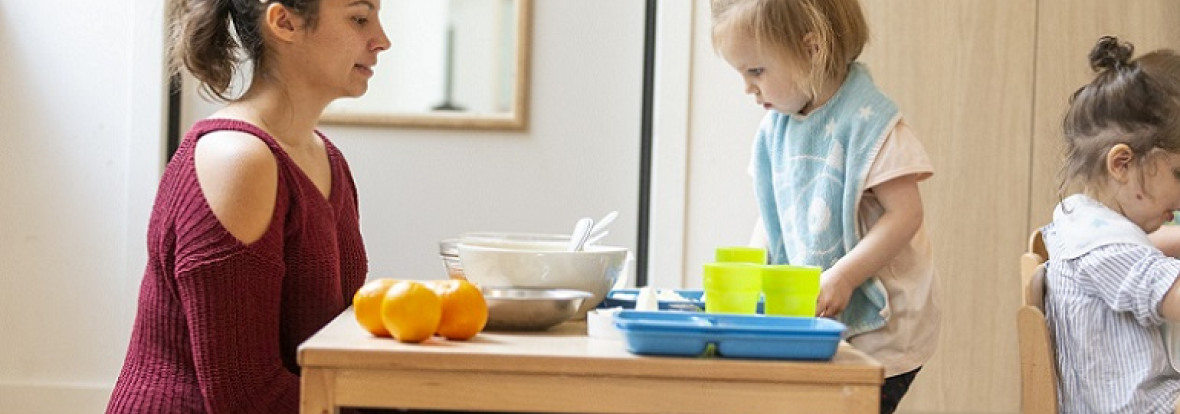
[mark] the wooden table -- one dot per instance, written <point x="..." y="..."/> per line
<point x="564" y="371"/>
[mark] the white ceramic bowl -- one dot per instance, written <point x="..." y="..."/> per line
<point x="524" y="241"/>
<point x="544" y="265"/>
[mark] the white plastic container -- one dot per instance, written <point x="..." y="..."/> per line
<point x="600" y="323"/>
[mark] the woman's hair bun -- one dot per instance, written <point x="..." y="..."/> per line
<point x="1110" y="53"/>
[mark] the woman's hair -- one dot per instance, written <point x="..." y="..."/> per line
<point x="837" y="28"/>
<point x="1130" y="101"/>
<point x="202" y="40"/>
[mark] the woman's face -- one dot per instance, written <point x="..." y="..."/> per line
<point x="768" y="75"/>
<point x="341" y="49"/>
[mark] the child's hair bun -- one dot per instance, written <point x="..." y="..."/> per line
<point x="1110" y="53"/>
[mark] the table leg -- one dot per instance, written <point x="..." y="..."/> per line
<point x="317" y="394"/>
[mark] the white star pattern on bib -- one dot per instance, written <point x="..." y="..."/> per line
<point x="866" y="111"/>
<point x="836" y="157"/>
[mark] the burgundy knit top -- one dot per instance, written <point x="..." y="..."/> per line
<point x="218" y="321"/>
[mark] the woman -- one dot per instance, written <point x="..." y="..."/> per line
<point x="254" y="241"/>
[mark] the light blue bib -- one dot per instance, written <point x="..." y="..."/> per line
<point x="809" y="176"/>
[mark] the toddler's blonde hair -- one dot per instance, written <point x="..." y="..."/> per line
<point x="835" y="30"/>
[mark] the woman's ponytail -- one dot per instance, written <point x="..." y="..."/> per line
<point x="202" y="43"/>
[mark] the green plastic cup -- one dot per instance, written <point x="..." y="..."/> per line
<point x="740" y="254"/>
<point x="790" y="290"/>
<point x="732" y="287"/>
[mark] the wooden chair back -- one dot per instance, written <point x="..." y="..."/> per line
<point x="1038" y="362"/>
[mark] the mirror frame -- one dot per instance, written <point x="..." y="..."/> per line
<point x="516" y="120"/>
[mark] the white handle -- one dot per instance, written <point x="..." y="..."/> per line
<point x="580" y="234"/>
<point x="594" y="238"/>
<point x="605" y="221"/>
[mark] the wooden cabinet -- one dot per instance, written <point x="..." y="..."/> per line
<point x="963" y="74"/>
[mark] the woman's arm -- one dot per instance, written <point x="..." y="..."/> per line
<point x="229" y="275"/>
<point x="901" y="220"/>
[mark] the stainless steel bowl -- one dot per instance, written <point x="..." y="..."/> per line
<point x="531" y="309"/>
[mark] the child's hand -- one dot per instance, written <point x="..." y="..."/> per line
<point x="833" y="295"/>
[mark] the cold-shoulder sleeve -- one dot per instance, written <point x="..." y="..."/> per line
<point x="231" y="297"/>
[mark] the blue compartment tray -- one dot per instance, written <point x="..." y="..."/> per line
<point x="734" y="336"/>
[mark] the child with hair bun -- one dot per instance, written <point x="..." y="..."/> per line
<point x="1110" y="290"/>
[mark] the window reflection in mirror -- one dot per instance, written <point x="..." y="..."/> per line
<point x="452" y="63"/>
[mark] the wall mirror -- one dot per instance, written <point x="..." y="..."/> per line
<point x="453" y="64"/>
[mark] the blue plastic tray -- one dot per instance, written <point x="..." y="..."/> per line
<point x="735" y="336"/>
<point x="625" y="298"/>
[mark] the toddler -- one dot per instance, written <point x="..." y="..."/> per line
<point x="836" y="172"/>
<point x="1110" y="290"/>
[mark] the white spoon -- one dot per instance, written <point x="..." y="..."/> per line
<point x="594" y="238"/>
<point x="580" y="234"/>
<point x="599" y="229"/>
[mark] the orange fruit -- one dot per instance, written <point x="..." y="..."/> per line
<point x="411" y="311"/>
<point x="366" y="304"/>
<point x="464" y="310"/>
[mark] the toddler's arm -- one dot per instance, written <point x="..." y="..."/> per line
<point x="1167" y="239"/>
<point x="1170" y="306"/>
<point x="901" y="220"/>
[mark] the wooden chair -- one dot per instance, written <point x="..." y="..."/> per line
<point x="1038" y="363"/>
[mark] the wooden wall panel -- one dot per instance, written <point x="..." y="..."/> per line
<point x="962" y="72"/>
<point x="1066" y="32"/>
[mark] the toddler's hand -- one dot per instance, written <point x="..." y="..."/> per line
<point x="833" y="295"/>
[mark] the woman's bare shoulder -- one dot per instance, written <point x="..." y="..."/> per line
<point x="239" y="179"/>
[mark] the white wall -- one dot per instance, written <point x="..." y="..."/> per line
<point x="417" y="30"/>
<point x="579" y="156"/>
<point x="702" y="196"/>
<point x="82" y="111"/>
<point x="81" y="149"/>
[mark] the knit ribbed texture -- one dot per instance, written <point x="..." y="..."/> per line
<point x="218" y="321"/>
